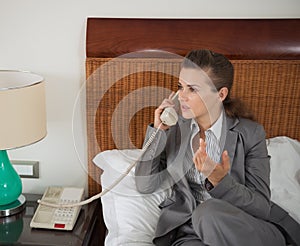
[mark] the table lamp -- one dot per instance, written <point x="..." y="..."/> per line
<point x="22" y="122"/>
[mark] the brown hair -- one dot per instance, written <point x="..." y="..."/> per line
<point x="220" y="70"/>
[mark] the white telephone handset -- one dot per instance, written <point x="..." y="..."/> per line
<point x="169" y="116"/>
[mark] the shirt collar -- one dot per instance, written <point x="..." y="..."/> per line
<point x="216" y="128"/>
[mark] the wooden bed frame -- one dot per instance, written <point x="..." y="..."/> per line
<point x="265" y="54"/>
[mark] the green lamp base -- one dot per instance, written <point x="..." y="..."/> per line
<point x="13" y="208"/>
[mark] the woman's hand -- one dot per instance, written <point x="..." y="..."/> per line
<point x="215" y="172"/>
<point x="165" y="104"/>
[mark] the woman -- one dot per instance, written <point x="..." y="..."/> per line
<point x="217" y="158"/>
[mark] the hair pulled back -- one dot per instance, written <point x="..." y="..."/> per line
<point x="220" y="70"/>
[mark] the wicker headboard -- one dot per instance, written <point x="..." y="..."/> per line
<point x="265" y="54"/>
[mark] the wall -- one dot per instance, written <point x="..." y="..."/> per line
<point x="48" y="38"/>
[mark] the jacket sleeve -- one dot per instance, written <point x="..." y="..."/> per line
<point x="252" y="196"/>
<point x="150" y="170"/>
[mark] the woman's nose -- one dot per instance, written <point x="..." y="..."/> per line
<point x="182" y="95"/>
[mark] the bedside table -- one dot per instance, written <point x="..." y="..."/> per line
<point x="16" y="230"/>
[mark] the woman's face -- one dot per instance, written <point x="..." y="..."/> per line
<point x="197" y="96"/>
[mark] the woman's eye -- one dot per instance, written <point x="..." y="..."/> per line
<point x="194" y="89"/>
<point x="180" y="87"/>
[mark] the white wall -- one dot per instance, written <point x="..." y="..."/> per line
<point x="48" y="38"/>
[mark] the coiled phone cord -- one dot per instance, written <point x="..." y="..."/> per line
<point x="115" y="183"/>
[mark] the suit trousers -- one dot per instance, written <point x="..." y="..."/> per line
<point x="218" y="223"/>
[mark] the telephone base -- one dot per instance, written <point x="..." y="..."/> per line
<point x="13" y="208"/>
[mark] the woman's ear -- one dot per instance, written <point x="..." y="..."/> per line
<point x="223" y="92"/>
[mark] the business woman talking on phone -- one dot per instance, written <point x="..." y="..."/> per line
<point x="217" y="159"/>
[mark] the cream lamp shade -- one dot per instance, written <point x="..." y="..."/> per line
<point x="22" y="109"/>
<point x="22" y="122"/>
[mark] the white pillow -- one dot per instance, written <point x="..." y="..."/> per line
<point x="285" y="174"/>
<point x="130" y="217"/>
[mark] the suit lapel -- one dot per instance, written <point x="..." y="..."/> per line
<point x="230" y="137"/>
<point x="175" y="168"/>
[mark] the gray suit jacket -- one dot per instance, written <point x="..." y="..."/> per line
<point x="246" y="186"/>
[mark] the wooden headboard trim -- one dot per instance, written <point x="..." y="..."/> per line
<point x="254" y="39"/>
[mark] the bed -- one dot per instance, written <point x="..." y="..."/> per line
<point x="132" y="64"/>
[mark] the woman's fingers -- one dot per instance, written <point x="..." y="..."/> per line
<point x="225" y="161"/>
<point x="200" y="155"/>
<point x="171" y="95"/>
<point x="202" y="161"/>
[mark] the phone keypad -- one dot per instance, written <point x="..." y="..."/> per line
<point x="64" y="215"/>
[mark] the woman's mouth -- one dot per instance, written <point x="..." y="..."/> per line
<point x="185" y="107"/>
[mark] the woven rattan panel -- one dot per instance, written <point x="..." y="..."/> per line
<point x="123" y="93"/>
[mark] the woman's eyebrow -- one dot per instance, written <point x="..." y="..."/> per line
<point x="190" y="85"/>
<point x="194" y="86"/>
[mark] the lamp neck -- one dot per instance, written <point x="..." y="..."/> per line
<point x="3" y="156"/>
